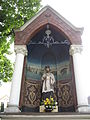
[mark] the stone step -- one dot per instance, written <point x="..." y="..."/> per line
<point x="45" y="117"/>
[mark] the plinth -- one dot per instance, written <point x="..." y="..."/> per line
<point x="42" y="109"/>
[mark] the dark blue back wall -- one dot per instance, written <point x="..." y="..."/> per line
<point x="56" y="56"/>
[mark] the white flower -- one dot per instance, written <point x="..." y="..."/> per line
<point x="50" y="106"/>
<point x="55" y="103"/>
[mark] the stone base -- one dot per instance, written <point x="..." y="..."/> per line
<point x="12" y="109"/>
<point x="84" y="109"/>
<point x="46" y="117"/>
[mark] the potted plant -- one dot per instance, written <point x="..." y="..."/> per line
<point x="49" y="104"/>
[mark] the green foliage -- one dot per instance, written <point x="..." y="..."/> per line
<point x="13" y="14"/>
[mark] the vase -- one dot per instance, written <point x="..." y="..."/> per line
<point x="48" y="110"/>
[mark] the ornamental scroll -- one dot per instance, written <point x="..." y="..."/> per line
<point x="65" y="94"/>
<point x="32" y="94"/>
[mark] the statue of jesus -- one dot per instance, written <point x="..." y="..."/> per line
<point x="48" y="80"/>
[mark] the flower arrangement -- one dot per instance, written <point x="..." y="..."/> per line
<point x="49" y="104"/>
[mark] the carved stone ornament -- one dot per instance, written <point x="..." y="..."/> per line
<point x="75" y="49"/>
<point x="20" y="49"/>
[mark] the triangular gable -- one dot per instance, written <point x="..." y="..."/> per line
<point x="44" y="16"/>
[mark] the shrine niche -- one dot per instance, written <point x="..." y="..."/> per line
<point x="47" y="39"/>
<point x="48" y="47"/>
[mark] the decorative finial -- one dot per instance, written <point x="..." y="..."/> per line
<point x="47" y="26"/>
<point x="48" y="31"/>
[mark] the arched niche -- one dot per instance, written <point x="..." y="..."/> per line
<point x="55" y="53"/>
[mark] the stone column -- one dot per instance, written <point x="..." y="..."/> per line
<point x="13" y="104"/>
<point x="75" y="51"/>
